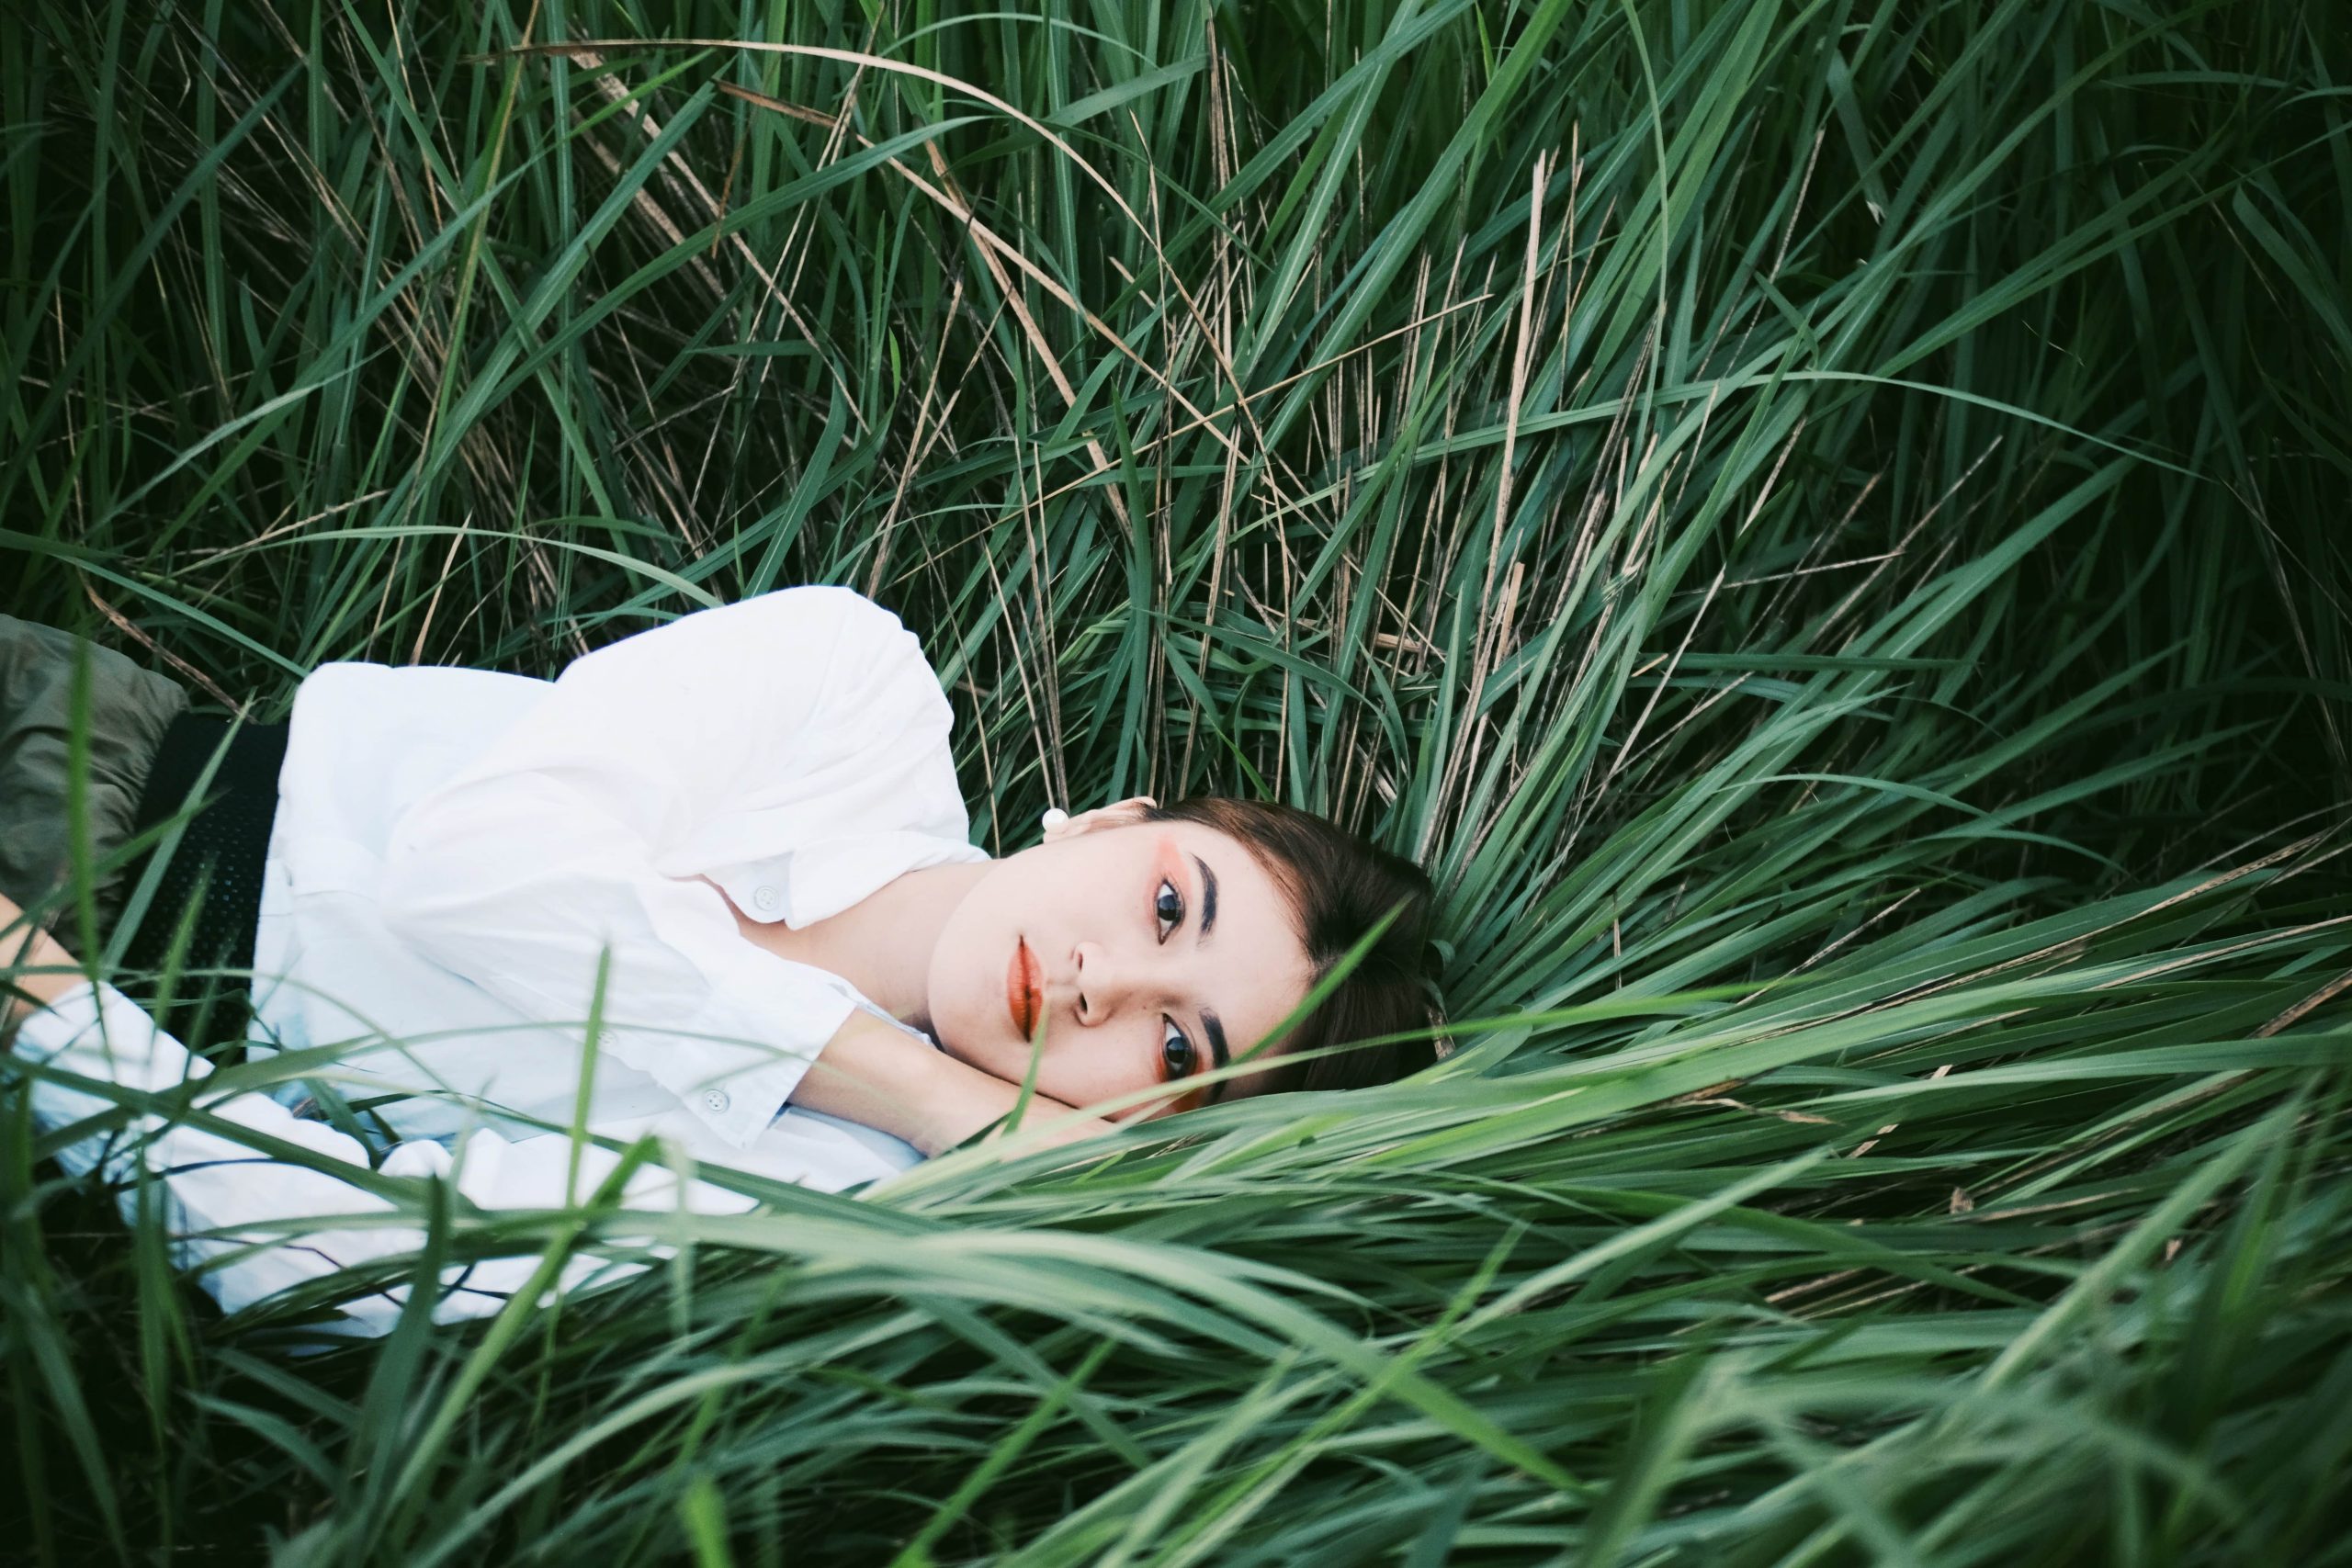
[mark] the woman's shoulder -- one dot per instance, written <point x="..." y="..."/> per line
<point x="876" y="670"/>
<point x="819" y="627"/>
<point x="342" y="682"/>
<point x="822" y="602"/>
<point x="846" y="611"/>
<point x="834" y="641"/>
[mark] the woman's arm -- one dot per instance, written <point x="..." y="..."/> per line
<point x="231" y="1183"/>
<point x="233" y="1169"/>
<point x="874" y="1073"/>
<point x="869" y="1072"/>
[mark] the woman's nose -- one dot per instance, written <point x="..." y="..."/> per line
<point x="1106" y="982"/>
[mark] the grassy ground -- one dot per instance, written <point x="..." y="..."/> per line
<point x="1823" y="525"/>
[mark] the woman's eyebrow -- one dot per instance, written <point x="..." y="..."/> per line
<point x="1211" y="1024"/>
<point x="1208" y="899"/>
<point x="1215" y="1028"/>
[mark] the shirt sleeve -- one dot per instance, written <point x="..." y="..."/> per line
<point x="542" y="853"/>
<point x="228" y="1196"/>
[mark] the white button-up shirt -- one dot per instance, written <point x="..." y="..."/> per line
<point x="455" y="850"/>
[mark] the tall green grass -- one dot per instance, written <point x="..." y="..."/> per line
<point x="1822" y="524"/>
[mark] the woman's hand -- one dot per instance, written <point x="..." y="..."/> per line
<point x="878" y="1076"/>
<point x="24" y="946"/>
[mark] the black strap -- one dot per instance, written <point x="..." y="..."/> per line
<point x="221" y="855"/>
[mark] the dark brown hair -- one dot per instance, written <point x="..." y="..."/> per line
<point x="1339" y="885"/>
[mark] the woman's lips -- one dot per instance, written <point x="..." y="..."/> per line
<point x="1023" y="998"/>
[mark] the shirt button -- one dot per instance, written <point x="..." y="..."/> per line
<point x="717" y="1102"/>
<point x="765" y="897"/>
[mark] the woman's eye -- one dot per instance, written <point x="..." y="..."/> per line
<point x="1168" y="906"/>
<point x="1176" y="1052"/>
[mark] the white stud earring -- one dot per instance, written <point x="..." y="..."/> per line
<point x="1054" y="817"/>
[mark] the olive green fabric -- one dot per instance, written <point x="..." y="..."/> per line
<point x="128" y="710"/>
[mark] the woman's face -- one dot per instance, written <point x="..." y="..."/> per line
<point x="1151" y="947"/>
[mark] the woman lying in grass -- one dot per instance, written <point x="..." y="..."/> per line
<point x="735" y="841"/>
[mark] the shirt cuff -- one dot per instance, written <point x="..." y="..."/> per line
<point x="98" y="1032"/>
<point x="736" y="1090"/>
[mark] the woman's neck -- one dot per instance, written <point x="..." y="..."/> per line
<point x="882" y="945"/>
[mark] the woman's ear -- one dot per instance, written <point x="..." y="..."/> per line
<point x="1118" y="814"/>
